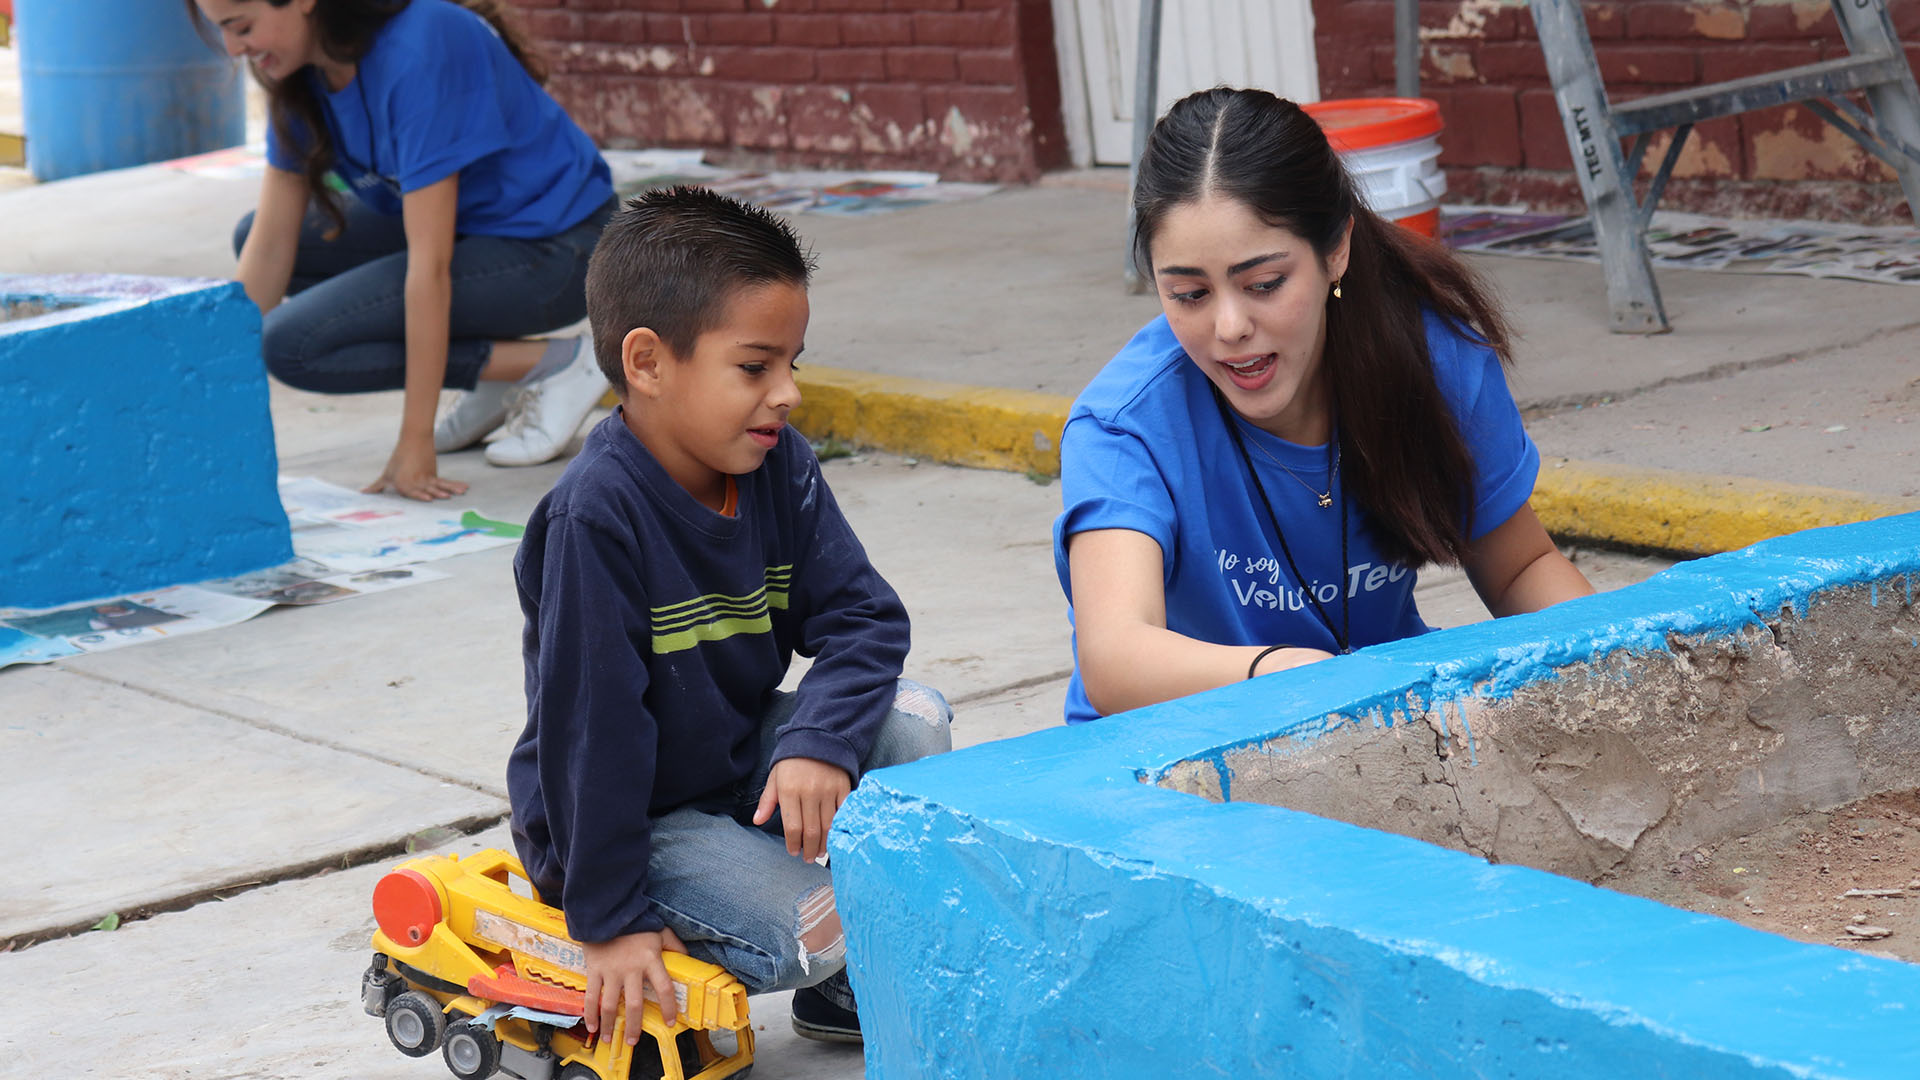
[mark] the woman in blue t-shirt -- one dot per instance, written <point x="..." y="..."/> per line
<point x="1252" y="482"/>
<point x="476" y="204"/>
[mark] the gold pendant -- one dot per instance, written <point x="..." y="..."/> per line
<point x="1325" y="500"/>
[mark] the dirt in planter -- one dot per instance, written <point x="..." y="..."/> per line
<point x="27" y="309"/>
<point x="1794" y="879"/>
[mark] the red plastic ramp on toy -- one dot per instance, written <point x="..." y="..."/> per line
<point x="505" y="986"/>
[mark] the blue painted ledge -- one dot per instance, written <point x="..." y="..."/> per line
<point x="135" y="437"/>
<point x="1040" y="907"/>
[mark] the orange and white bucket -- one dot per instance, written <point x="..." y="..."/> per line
<point x="1391" y="148"/>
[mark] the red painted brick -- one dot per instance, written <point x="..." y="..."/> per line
<point x="1790" y="143"/>
<point x="997" y="67"/>
<point x="692" y="113"/>
<point x="1647" y="65"/>
<point x="1373" y="18"/>
<point x="923" y="5"/>
<point x="1720" y="65"/>
<point x="1502" y="62"/>
<point x="820" y="120"/>
<point x="890" y="119"/>
<point x="1796" y="20"/>
<point x="852" y="65"/>
<point x="755" y="116"/>
<point x="642" y="60"/>
<point x="807" y="31"/>
<point x="716" y="6"/>
<point x="764" y="65"/>
<point x="850" y="5"/>
<point x="1671" y="19"/>
<point x="750" y="28"/>
<point x="922" y="65"/>
<point x="1543" y="139"/>
<point x="675" y="29"/>
<point x="967" y="29"/>
<point x="1344" y="62"/>
<point x="1482" y="126"/>
<point x="1605" y="22"/>
<point x="549" y="25"/>
<point x="1906" y="19"/>
<point x="877" y="30"/>
<point x="616" y="28"/>
<point x="1382" y="63"/>
<point x="1458" y="23"/>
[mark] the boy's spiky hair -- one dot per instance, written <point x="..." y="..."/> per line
<point x="670" y="260"/>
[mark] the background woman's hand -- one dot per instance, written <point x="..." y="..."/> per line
<point x="413" y="471"/>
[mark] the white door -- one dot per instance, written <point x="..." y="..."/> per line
<point x="1265" y="43"/>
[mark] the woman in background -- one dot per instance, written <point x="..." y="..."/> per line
<point x="476" y="202"/>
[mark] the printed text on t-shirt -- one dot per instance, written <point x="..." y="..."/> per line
<point x="1247" y="575"/>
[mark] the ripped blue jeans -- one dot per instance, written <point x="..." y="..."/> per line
<point x="731" y="892"/>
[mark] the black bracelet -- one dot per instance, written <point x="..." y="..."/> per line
<point x="1264" y="653"/>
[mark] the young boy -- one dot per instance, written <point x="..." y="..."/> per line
<point x="665" y="794"/>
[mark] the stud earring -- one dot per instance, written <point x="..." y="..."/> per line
<point x="1336" y="290"/>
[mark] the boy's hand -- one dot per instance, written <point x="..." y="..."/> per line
<point x="807" y="793"/>
<point x="621" y="969"/>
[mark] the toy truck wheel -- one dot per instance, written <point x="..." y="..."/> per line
<point x="471" y="1051"/>
<point x="415" y="1024"/>
<point x="577" y="1071"/>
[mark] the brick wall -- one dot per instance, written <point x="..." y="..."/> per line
<point x="968" y="88"/>
<point x="1481" y="60"/>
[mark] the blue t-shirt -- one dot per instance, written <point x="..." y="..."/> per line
<point x="439" y="94"/>
<point x="1144" y="449"/>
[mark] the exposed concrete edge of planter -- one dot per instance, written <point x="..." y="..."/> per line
<point x="1662" y="510"/>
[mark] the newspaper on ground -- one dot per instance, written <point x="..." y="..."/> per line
<point x="1887" y="254"/>
<point x="347" y="544"/>
<point x="792" y="191"/>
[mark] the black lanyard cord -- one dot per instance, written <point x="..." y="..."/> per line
<point x="1341" y="634"/>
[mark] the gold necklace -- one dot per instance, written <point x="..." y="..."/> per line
<point x="1324" y="498"/>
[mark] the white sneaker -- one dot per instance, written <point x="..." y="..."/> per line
<point x="472" y="417"/>
<point x="543" y="416"/>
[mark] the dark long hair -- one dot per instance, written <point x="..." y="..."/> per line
<point x="1400" y="448"/>
<point x="346" y="29"/>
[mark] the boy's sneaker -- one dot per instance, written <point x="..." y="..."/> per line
<point x="544" y="414"/>
<point x="815" y="1016"/>
<point x="473" y="416"/>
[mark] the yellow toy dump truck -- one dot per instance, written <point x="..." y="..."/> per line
<point x="465" y="965"/>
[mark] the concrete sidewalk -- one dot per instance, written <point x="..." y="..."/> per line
<point x="1805" y="387"/>
<point x="248" y="786"/>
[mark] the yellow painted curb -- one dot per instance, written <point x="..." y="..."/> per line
<point x="985" y="427"/>
<point x="1019" y="431"/>
<point x="1694" y="513"/>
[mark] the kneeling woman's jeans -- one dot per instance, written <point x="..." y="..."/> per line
<point x="730" y="891"/>
<point x="343" y="326"/>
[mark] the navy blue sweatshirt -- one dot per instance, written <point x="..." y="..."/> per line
<point x="657" y="631"/>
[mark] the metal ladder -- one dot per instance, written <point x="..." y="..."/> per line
<point x="1877" y="67"/>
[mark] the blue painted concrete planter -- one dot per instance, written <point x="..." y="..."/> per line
<point x="1045" y="907"/>
<point x="136" y="442"/>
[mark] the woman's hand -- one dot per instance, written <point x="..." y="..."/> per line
<point x="413" y="471"/>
